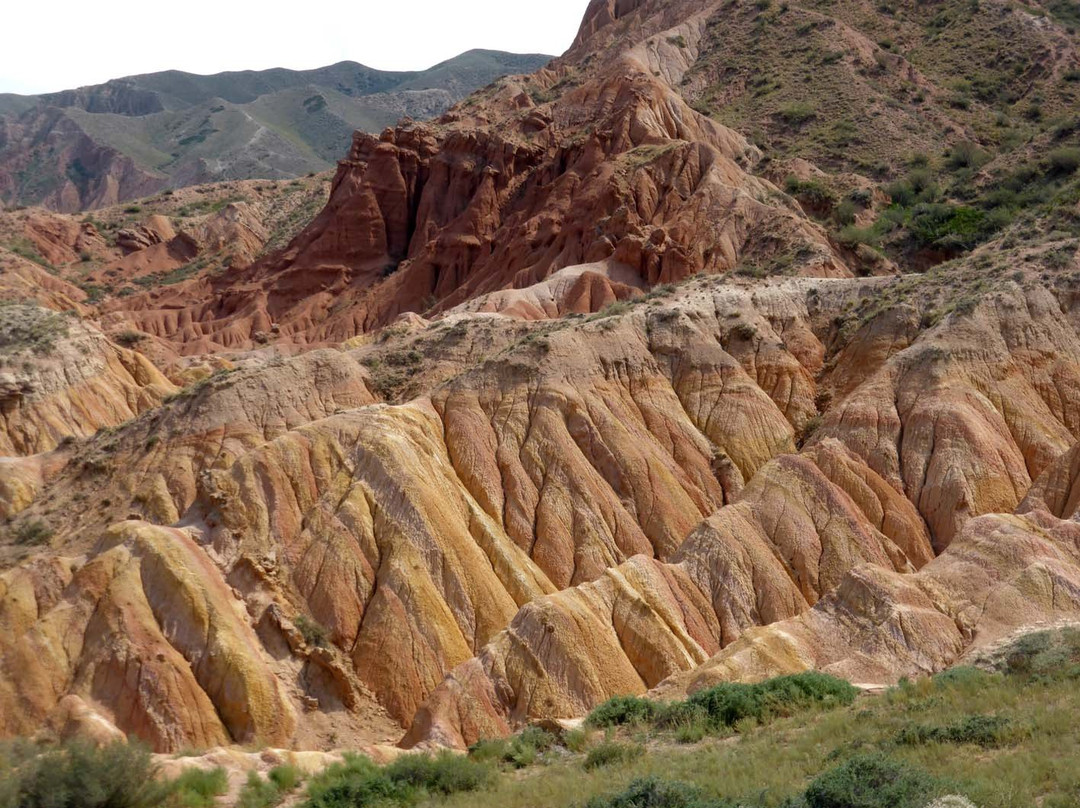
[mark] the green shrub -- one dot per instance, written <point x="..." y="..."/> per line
<point x="948" y="226"/>
<point x="359" y="782"/>
<point x="355" y="782"/>
<point x="679" y="713"/>
<point x="871" y="781"/>
<point x="525" y="748"/>
<point x="610" y="752"/>
<point x="729" y="703"/>
<point x="313" y="633"/>
<point x="576" y="740"/>
<point x="1064" y="161"/>
<point x="490" y="750"/>
<point x="918" y="186"/>
<point x="258" y="793"/>
<point x="520" y="751"/>
<point x="197" y="788"/>
<point x="286" y="777"/>
<point x="965" y="155"/>
<point x="981" y="730"/>
<point x="691" y="733"/>
<point x="620" y="710"/>
<point x="852" y="236"/>
<point x="129" y="339"/>
<point x="78" y="775"/>
<point x="845" y="213"/>
<point x="812" y="425"/>
<point x="30" y="328"/>
<point x="653" y="792"/>
<point x="810" y="192"/>
<point x="861" y="197"/>
<point x="33" y="533"/>
<point x="963" y="675"/>
<point x="797" y="113"/>
<point x="444" y="773"/>
<point x="1043" y="654"/>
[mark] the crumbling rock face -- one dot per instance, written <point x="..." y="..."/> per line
<point x="601" y="504"/>
<point x="153" y="465"/>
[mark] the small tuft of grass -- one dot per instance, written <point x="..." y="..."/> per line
<point x="314" y="634"/>
<point x="32" y="533"/>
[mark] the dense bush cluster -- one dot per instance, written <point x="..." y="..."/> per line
<point x="981" y="730"/>
<point x="79" y="774"/>
<point x="279" y="783"/>
<point x="522" y="750"/>
<point x="727" y="704"/>
<point x="359" y="782"/>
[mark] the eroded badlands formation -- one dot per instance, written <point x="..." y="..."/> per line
<point x="602" y="462"/>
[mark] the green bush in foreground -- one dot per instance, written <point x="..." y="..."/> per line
<point x="197" y="788"/>
<point x="78" y="775"/>
<point x="359" y="782"/>
<point x="727" y="704"/>
<point x="445" y="773"/>
<point x="652" y="792"/>
<point x="1043" y="654"/>
<point x="260" y="793"/>
<point x="520" y="751"/>
<point x="871" y="781"/>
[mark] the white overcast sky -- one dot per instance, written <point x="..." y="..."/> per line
<point x="51" y="45"/>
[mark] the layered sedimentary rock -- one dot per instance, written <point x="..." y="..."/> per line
<point x="790" y="537"/>
<point x="967" y="417"/>
<point x="62" y="378"/>
<point x="836" y="603"/>
<point x="602" y="504"/>
<point x="145" y="628"/>
<point x="1001" y="572"/>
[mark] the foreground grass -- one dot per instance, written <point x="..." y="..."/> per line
<point x="1003" y="740"/>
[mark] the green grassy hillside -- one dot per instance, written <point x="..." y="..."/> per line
<point x="181" y="129"/>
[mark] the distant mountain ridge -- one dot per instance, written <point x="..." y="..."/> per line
<point x="102" y="144"/>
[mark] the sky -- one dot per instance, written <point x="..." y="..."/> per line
<point x="64" y="44"/>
